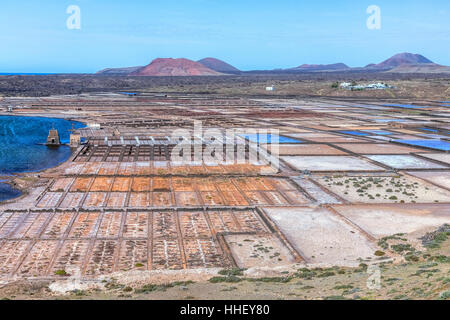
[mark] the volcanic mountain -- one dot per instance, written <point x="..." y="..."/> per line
<point x="321" y="67"/>
<point x="420" y="68"/>
<point x="218" y="65"/>
<point x="399" y="63"/>
<point x="401" y="59"/>
<point x="118" y="71"/>
<point x="174" y="67"/>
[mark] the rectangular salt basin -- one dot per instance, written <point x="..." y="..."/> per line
<point x="381" y="138"/>
<point x="354" y="133"/>
<point x="302" y="149"/>
<point x="377" y="148"/>
<point x="440" y="178"/>
<point x="442" y="157"/>
<point x="404" y="162"/>
<point x="431" y="136"/>
<point x="391" y="120"/>
<point x="432" y="144"/>
<point x="388" y="219"/>
<point x="242" y="246"/>
<point x="305" y="229"/>
<point x="269" y="138"/>
<point x="406" y="106"/>
<point x="428" y="129"/>
<point x="379" y="132"/>
<point x="330" y="163"/>
<point x="371" y="107"/>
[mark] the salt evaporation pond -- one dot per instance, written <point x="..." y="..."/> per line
<point x="268" y="138"/>
<point x="432" y="144"/>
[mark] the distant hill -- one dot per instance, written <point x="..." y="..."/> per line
<point x="400" y="59"/>
<point x="420" y="68"/>
<point x="321" y="67"/>
<point x="399" y="63"/>
<point x="218" y="65"/>
<point x="174" y="67"/>
<point x="118" y="71"/>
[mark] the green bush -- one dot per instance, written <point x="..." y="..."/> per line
<point x="232" y="272"/>
<point x="61" y="273"/>
<point x="229" y="279"/>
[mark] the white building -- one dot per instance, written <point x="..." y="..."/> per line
<point x="378" y="85"/>
<point x="272" y="88"/>
<point x="94" y="125"/>
<point x="373" y="86"/>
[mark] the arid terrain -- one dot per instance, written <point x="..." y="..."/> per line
<point x="338" y="193"/>
<point x="409" y="86"/>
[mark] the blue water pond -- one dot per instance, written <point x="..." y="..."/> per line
<point x="355" y="133"/>
<point x="379" y="132"/>
<point x="21" y="140"/>
<point x="432" y="144"/>
<point x="428" y="129"/>
<point x="268" y="138"/>
<point x="406" y="106"/>
<point x="7" y="192"/>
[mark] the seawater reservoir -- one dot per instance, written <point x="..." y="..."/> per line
<point x="7" y="192"/>
<point x="21" y="148"/>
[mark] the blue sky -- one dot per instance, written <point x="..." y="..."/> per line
<point x="248" y="34"/>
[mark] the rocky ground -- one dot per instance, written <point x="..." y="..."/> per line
<point x="412" y="88"/>
<point x="419" y="86"/>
